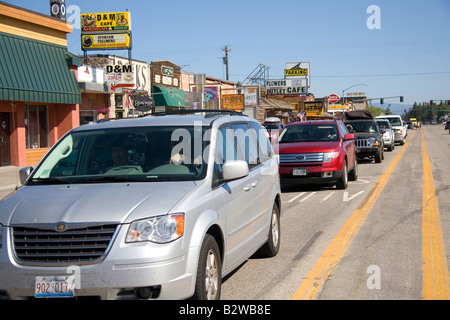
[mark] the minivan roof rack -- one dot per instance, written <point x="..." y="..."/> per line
<point x="207" y="112"/>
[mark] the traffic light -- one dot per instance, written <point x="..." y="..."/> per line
<point x="381" y="101"/>
<point x="431" y="102"/>
<point x="401" y="99"/>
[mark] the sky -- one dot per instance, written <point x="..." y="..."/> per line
<point x="385" y="48"/>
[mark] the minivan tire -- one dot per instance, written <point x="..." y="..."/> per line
<point x="208" y="284"/>
<point x="272" y="246"/>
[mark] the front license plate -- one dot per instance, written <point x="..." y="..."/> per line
<point x="299" y="172"/>
<point x="54" y="287"/>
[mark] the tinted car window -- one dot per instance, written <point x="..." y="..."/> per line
<point x="245" y="142"/>
<point x="126" y="154"/>
<point x="309" y="133"/>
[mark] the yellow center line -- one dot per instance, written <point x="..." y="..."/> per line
<point x="435" y="284"/>
<point x="313" y="284"/>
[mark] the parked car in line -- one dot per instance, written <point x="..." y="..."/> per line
<point x="274" y="126"/>
<point x="108" y="212"/>
<point x="447" y="124"/>
<point x="317" y="152"/>
<point x="368" y="136"/>
<point x="400" y="128"/>
<point x="388" y="135"/>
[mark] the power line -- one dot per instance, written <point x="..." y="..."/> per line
<point x="381" y="75"/>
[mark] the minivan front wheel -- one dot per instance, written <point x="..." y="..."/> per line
<point x="272" y="246"/>
<point x="209" y="273"/>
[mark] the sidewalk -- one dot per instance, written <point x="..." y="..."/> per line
<point x="9" y="179"/>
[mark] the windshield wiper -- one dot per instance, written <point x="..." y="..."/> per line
<point x="50" y="180"/>
<point x="112" y="179"/>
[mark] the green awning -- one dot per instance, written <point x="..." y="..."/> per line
<point x="169" y="97"/>
<point x="36" y="71"/>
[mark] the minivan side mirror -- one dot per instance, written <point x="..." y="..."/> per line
<point x="234" y="169"/>
<point x="24" y="173"/>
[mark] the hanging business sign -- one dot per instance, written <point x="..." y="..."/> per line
<point x="106" y="41"/>
<point x="285" y="83"/>
<point x="313" y="108"/>
<point x="119" y="76"/>
<point x="233" y="101"/>
<point x="298" y="70"/>
<point x="286" y="90"/>
<point x="105" y="22"/>
<point x="143" y="103"/>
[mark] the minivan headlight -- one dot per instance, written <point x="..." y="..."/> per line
<point x="159" y="229"/>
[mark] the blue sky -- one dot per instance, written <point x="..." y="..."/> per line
<point x="408" y="55"/>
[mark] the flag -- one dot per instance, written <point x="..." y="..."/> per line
<point x="128" y="102"/>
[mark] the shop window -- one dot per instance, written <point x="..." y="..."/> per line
<point x="88" y="117"/>
<point x="36" y="126"/>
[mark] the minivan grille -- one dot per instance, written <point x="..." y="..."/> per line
<point x="48" y="246"/>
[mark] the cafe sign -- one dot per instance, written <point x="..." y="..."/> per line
<point x="105" y="22"/>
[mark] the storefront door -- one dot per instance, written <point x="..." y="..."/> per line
<point x="5" y="158"/>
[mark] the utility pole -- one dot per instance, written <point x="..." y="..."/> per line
<point x="225" y="59"/>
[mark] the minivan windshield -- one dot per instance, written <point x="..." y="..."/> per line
<point x="157" y="153"/>
<point x="395" y="121"/>
<point x="309" y="133"/>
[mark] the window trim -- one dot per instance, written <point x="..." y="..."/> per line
<point x="27" y="126"/>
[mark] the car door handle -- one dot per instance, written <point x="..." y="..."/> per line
<point x="254" y="184"/>
<point x="247" y="188"/>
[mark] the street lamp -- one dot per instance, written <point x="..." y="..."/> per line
<point x="343" y="91"/>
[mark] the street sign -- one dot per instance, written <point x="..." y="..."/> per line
<point x="333" y="98"/>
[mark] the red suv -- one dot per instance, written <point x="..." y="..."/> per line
<point x="317" y="152"/>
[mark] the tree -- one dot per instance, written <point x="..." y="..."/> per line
<point x="376" y="111"/>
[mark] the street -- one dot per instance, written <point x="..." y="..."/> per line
<point x="367" y="242"/>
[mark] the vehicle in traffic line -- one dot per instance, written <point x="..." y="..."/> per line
<point x="368" y="136"/>
<point x="317" y="152"/>
<point x="400" y="128"/>
<point x="388" y="135"/>
<point x="274" y="126"/>
<point x="156" y="207"/>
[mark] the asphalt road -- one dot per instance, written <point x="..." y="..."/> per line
<point x="382" y="238"/>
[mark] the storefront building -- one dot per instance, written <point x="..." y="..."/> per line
<point x="39" y="93"/>
<point x="98" y="100"/>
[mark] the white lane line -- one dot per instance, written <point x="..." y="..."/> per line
<point x="296" y="197"/>
<point x="307" y="197"/>
<point x="327" y="197"/>
<point x="346" y="198"/>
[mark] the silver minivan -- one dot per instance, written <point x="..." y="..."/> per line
<point x="157" y="207"/>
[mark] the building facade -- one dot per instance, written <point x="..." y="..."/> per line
<point x="39" y="93"/>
